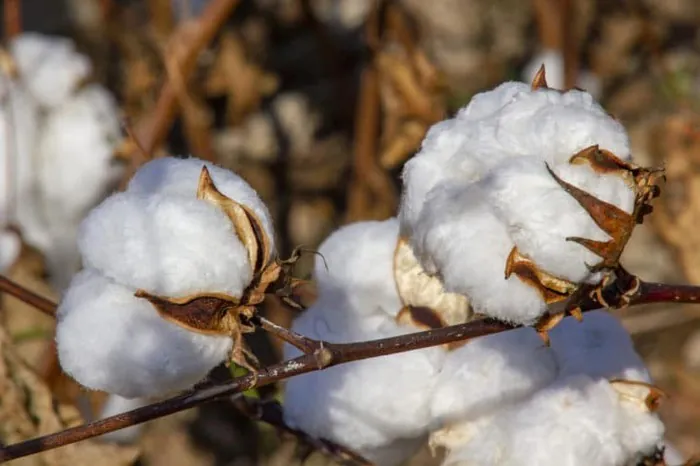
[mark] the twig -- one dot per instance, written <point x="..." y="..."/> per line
<point x="153" y="128"/>
<point x="12" y="13"/>
<point x="46" y="306"/>
<point x="630" y="292"/>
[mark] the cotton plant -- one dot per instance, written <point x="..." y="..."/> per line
<point x="174" y="268"/>
<point x="599" y="409"/>
<point x="60" y="134"/>
<point x="358" y="300"/>
<point x="526" y="197"/>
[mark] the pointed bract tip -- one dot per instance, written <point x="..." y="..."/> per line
<point x="540" y="79"/>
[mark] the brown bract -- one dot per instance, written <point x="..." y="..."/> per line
<point x="218" y="313"/>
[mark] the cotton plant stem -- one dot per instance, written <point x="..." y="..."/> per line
<point x="326" y="354"/>
<point x="12" y="12"/>
<point x="46" y="306"/>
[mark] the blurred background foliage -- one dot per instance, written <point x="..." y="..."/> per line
<point x="317" y="104"/>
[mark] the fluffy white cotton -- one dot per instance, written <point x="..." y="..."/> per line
<point x="598" y="347"/>
<point x="178" y="177"/>
<point x="575" y="421"/>
<point x="460" y="238"/>
<point x="356" y="262"/>
<point x="489" y="373"/>
<point x="540" y="215"/>
<point x="19" y="120"/>
<point x="156" y="236"/>
<point x="168" y="246"/>
<point x="51" y="67"/>
<point x="378" y="407"/>
<point x="109" y="340"/>
<point x="480" y="187"/>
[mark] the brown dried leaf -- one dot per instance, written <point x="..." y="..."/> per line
<point x="28" y="410"/>
<point x="420" y="292"/>
<point x="403" y="144"/>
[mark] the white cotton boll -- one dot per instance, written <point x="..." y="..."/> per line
<point x="459" y="236"/>
<point x="573" y="422"/>
<point x="541" y="215"/>
<point x="357" y="263"/>
<point x="167" y="246"/>
<point x="490" y="372"/>
<point x="50" y="67"/>
<point x="172" y="176"/>
<point x="107" y="339"/>
<point x="19" y="199"/>
<point x="378" y="407"/>
<point x="553" y="126"/>
<point x="598" y="347"/>
<point x="75" y="171"/>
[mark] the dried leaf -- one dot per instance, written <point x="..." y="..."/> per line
<point x="28" y="410"/>
<point x="420" y="293"/>
<point x="540" y="80"/>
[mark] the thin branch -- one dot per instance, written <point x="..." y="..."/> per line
<point x="46" y="306"/>
<point x="12" y="12"/>
<point x="626" y="291"/>
<point x="193" y="36"/>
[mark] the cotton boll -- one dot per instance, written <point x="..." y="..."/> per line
<point x="109" y="340"/>
<point x="598" y="347"/>
<point x="459" y="237"/>
<point x="351" y="404"/>
<point x="356" y="262"/>
<point x="167" y="246"/>
<point x="171" y="176"/>
<point x="50" y="67"/>
<point x="553" y="126"/>
<point x="75" y="171"/>
<point x="541" y="215"/>
<point x="575" y="421"/>
<point x="490" y="372"/>
<point x="19" y="200"/>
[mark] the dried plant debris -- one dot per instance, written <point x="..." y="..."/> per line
<point x="28" y="409"/>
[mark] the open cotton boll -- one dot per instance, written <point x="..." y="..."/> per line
<point x="51" y="67"/>
<point x="75" y="171"/>
<point x="599" y="346"/>
<point x="170" y="176"/>
<point x="511" y="120"/>
<point x="490" y="372"/>
<point x="459" y="237"/>
<point x="378" y="407"/>
<point x="167" y="246"/>
<point x="356" y="262"/>
<point x="107" y="339"/>
<point x="575" y="421"/>
<point x="541" y="215"/>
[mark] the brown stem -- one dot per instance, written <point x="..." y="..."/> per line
<point x="330" y="354"/>
<point x="46" y="306"/>
<point x="12" y="12"/>
<point x="153" y="128"/>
